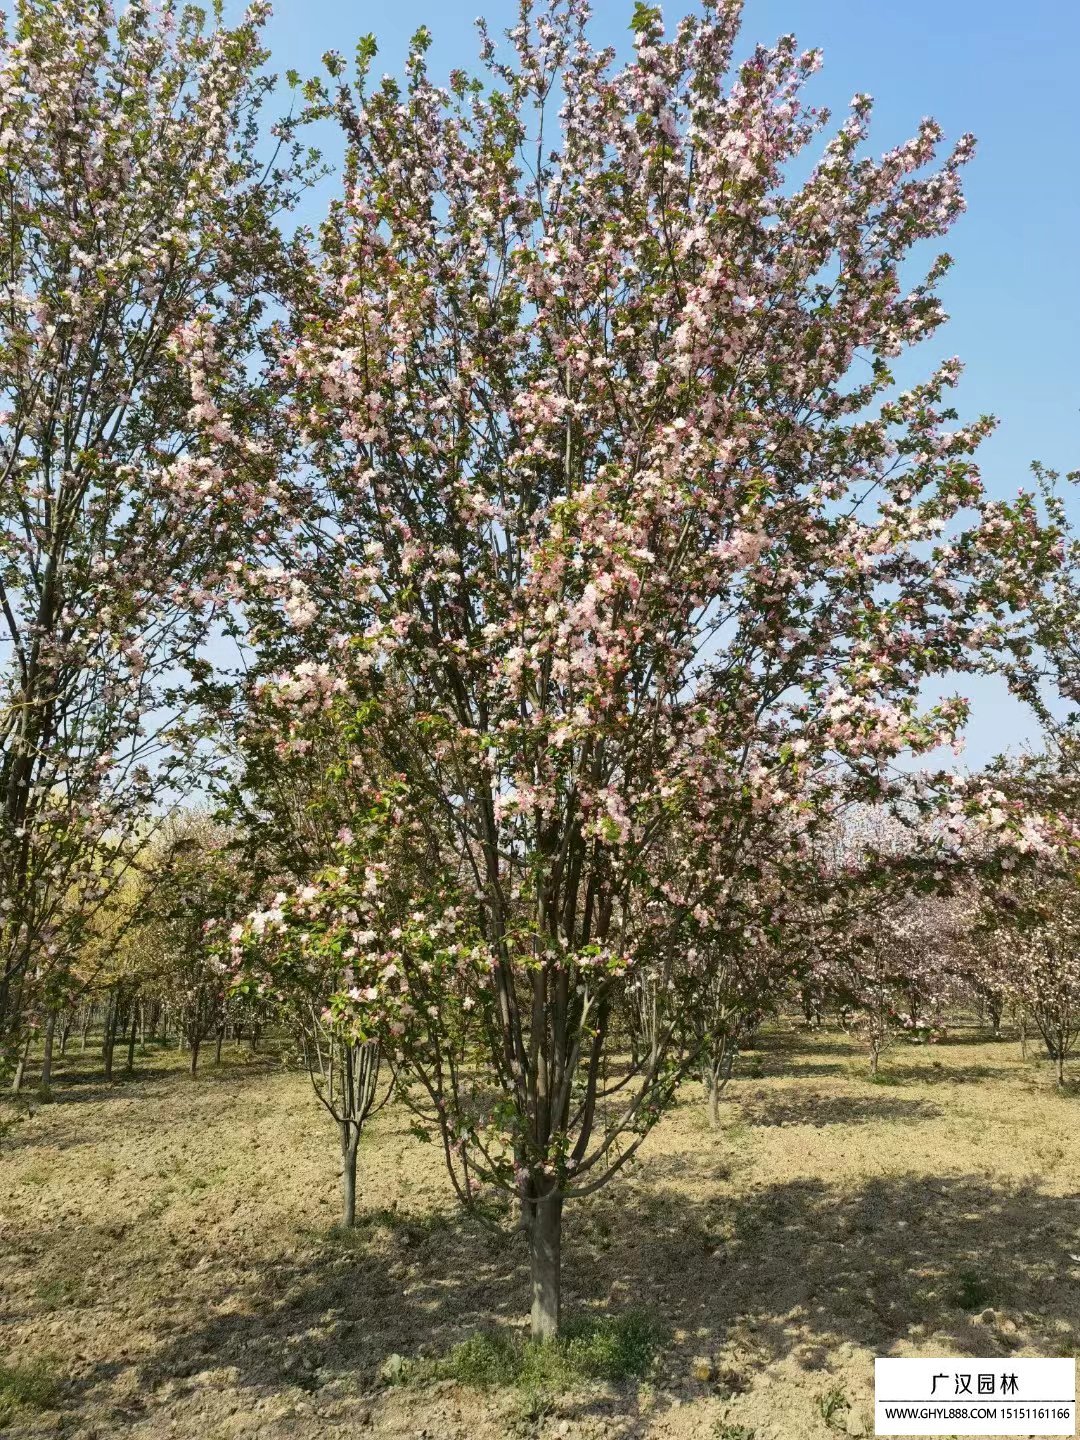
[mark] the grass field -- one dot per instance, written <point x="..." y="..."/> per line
<point x="171" y="1268"/>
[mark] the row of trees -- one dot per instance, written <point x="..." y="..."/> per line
<point x="585" y="564"/>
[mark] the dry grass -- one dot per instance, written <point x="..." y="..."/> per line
<point x="171" y="1268"/>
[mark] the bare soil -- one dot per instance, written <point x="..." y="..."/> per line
<point x="168" y="1255"/>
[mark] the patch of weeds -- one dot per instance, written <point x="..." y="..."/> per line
<point x="59" y="1292"/>
<point x="972" y="1292"/>
<point x="25" y="1387"/>
<point x="530" y="1411"/>
<point x="833" y="1405"/>
<point x="36" y="1175"/>
<point x="885" y="1077"/>
<point x="610" y="1347"/>
<point x="725" y="1430"/>
<point x="409" y="1229"/>
<point x="737" y="1133"/>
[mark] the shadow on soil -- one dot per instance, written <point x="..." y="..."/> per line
<point x="822" y="1110"/>
<point x="790" y="1269"/>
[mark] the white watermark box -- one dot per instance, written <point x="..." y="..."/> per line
<point x="1014" y="1396"/>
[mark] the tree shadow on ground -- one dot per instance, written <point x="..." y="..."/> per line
<point x="895" y="1070"/>
<point x="788" y="1270"/>
<point x="84" y="1082"/>
<point x="822" y="1110"/>
<point x="803" y="1041"/>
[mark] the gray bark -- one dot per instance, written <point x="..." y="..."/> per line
<point x="545" y="1243"/>
<point x="350" y="1143"/>
<point x="46" y="1059"/>
<point x="20" y="1068"/>
<point x="109" y="1041"/>
<point x="131" y="1038"/>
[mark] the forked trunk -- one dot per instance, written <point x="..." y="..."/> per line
<point x="545" y="1242"/>
<point x="350" y="1143"/>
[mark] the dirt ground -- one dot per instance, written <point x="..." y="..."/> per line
<point x="168" y="1256"/>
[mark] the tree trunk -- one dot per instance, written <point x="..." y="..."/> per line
<point x="350" y="1143"/>
<point x="712" y="1095"/>
<point x="46" y="1059"/>
<point x="1061" y="1067"/>
<point x="131" y="1038"/>
<point x="20" y="1068"/>
<point x="873" y="1061"/>
<point x="195" y="1043"/>
<point x="65" y="1031"/>
<point x="86" y="1025"/>
<point x="109" y="1040"/>
<point x="220" y="1038"/>
<point x="545" y="1243"/>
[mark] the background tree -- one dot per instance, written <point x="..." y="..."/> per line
<point x="133" y="200"/>
<point x="1033" y="954"/>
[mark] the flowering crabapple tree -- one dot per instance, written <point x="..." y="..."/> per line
<point x="295" y="956"/>
<point x="734" y="980"/>
<point x="1032" y="953"/>
<point x="895" y="978"/>
<point x="888" y="924"/>
<point x="188" y="906"/>
<point x="133" y="201"/>
<point x="595" y="488"/>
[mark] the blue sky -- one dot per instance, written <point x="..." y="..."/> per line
<point x="1005" y="71"/>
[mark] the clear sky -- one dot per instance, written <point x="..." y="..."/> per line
<point x="1003" y="70"/>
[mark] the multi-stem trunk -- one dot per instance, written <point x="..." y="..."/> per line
<point x="350" y="1143"/>
<point x="545" y="1244"/>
